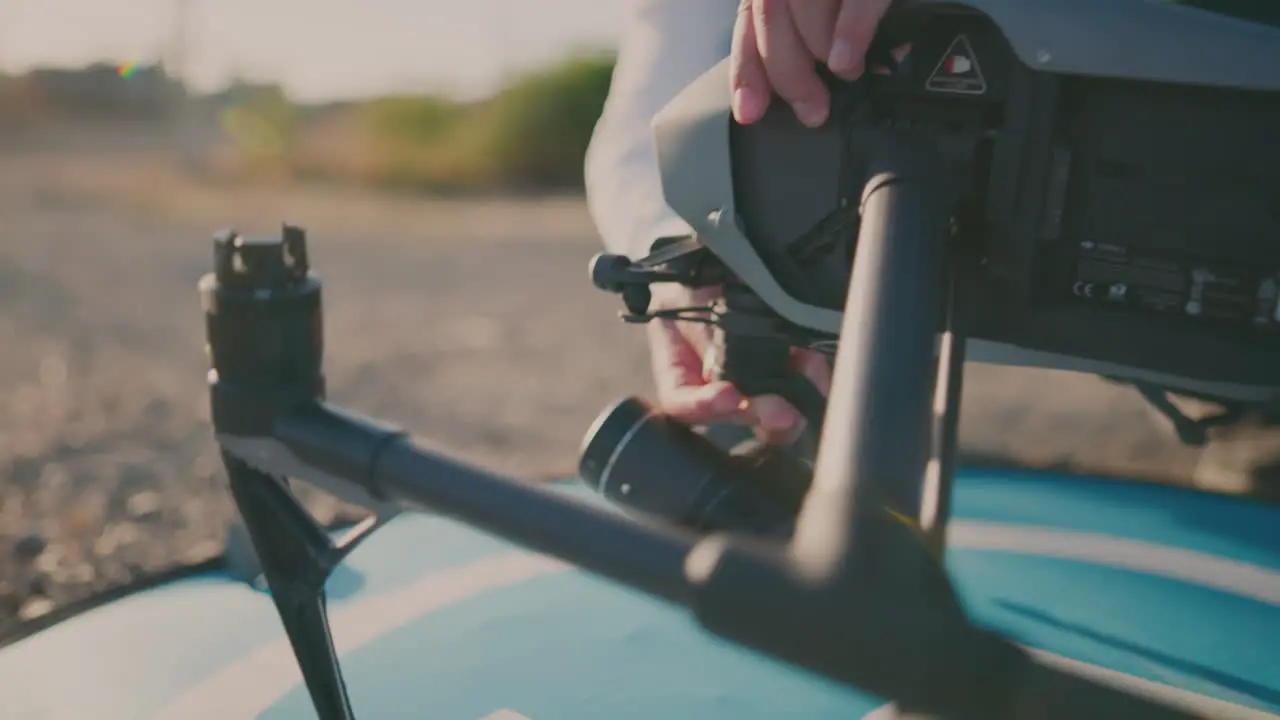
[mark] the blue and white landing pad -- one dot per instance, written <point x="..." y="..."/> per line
<point x="1161" y="590"/>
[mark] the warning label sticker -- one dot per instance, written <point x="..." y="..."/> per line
<point x="958" y="71"/>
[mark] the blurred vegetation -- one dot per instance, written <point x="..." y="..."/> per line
<point x="532" y="135"/>
<point x="261" y="122"/>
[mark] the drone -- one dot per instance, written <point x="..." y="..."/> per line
<point x="1088" y="185"/>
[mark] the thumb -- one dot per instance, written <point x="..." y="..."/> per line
<point x="776" y="421"/>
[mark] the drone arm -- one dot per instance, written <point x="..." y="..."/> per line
<point x="390" y="467"/>
<point x="661" y="561"/>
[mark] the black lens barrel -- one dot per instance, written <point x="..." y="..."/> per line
<point x="650" y="463"/>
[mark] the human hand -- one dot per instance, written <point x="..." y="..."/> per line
<point x="684" y="368"/>
<point x="777" y="42"/>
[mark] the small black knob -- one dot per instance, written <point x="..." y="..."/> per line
<point x="610" y="272"/>
<point x="636" y="299"/>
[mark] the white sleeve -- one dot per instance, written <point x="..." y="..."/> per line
<point x="665" y="45"/>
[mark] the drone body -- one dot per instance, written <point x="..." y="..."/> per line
<point x="1119" y="208"/>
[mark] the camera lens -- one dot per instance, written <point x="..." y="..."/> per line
<point x="649" y="463"/>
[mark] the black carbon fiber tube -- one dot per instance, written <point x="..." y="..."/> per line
<point x="875" y="441"/>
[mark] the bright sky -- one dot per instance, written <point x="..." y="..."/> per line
<point x="318" y="49"/>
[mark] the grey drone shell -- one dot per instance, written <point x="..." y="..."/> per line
<point x="1141" y="40"/>
<point x="1127" y="39"/>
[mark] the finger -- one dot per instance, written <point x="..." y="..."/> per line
<point x="747" y="78"/>
<point x="677" y="372"/>
<point x="815" y="366"/>
<point x="674" y="361"/>
<point x="697" y="302"/>
<point x="712" y="362"/>
<point x="775" y="421"/>
<point x="699" y="335"/>
<point x="855" y="27"/>
<point x="815" y="21"/>
<point x="701" y="404"/>
<point x="788" y="63"/>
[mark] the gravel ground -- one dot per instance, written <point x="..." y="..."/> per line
<point x="470" y="323"/>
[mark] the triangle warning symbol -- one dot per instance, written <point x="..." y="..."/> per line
<point x="958" y="71"/>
